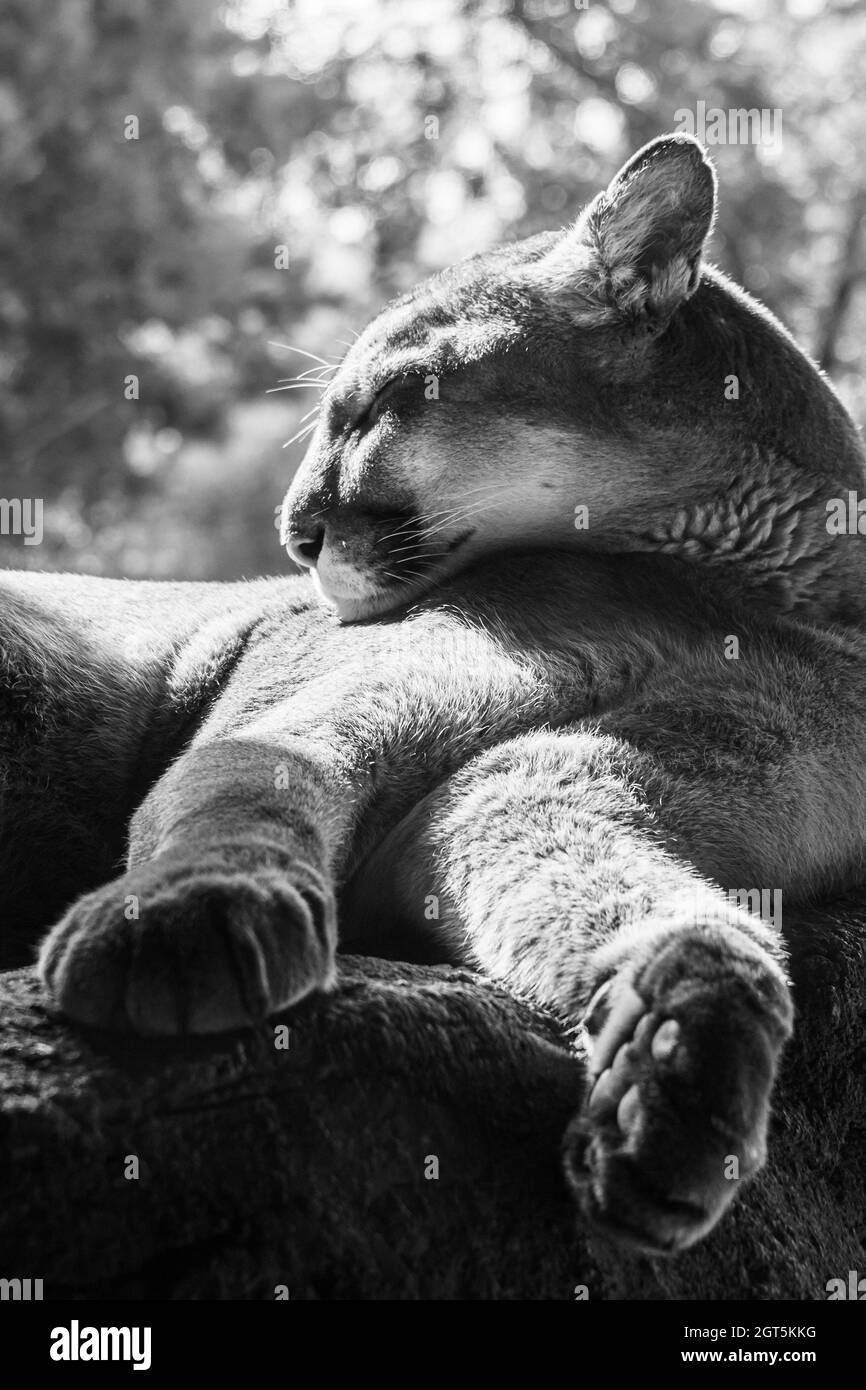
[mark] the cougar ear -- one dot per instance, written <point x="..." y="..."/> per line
<point x="637" y="248"/>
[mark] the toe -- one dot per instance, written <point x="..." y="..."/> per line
<point x="628" y="1111"/>
<point x="626" y="1010"/>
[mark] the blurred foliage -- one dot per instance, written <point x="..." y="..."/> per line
<point x="375" y="140"/>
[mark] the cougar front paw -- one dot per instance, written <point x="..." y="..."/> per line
<point x="684" y="1054"/>
<point x="179" y="946"/>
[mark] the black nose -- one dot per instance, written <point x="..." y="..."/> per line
<point x="305" y="546"/>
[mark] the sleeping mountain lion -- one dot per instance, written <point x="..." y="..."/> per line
<point x="581" y="659"/>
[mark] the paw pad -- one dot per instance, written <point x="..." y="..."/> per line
<point x="680" y="1072"/>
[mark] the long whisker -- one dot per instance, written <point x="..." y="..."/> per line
<point x="411" y="547"/>
<point x="494" y="485"/>
<point x="416" y="527"/>
<point x="446" y="518"/>
<point x="313" y="356"/>
<point x="314" y="375"/>
<point x="410" y="574"/>
<point x="405" y="549"/>
<point x="404" y="575"/>
<point x="296" y="386"/>
<point x="414" y="533"/>
<point x="425" y="555"/>
<point x="468" y="495"/>
<point x="461" y="514"/>
<point x="317" y="376"/>
<point x="307" y="429"/>
<point x="458" y="519"/>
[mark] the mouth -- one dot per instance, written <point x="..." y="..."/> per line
<point x="352" y="608"/>
<point x="383" y="590"/>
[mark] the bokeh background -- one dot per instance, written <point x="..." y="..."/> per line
<point x="366" y="143"/>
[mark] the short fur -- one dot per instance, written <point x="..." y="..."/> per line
<point x="597" y="368"/>
<point x="551" y="751"/>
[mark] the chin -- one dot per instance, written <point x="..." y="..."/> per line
<point x="373" y="600"/>
<point x="355" y="608"/>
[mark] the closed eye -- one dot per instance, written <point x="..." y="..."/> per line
<point x="368" y="416"/>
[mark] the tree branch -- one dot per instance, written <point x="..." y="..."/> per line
<point x="305" y="1167"/>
